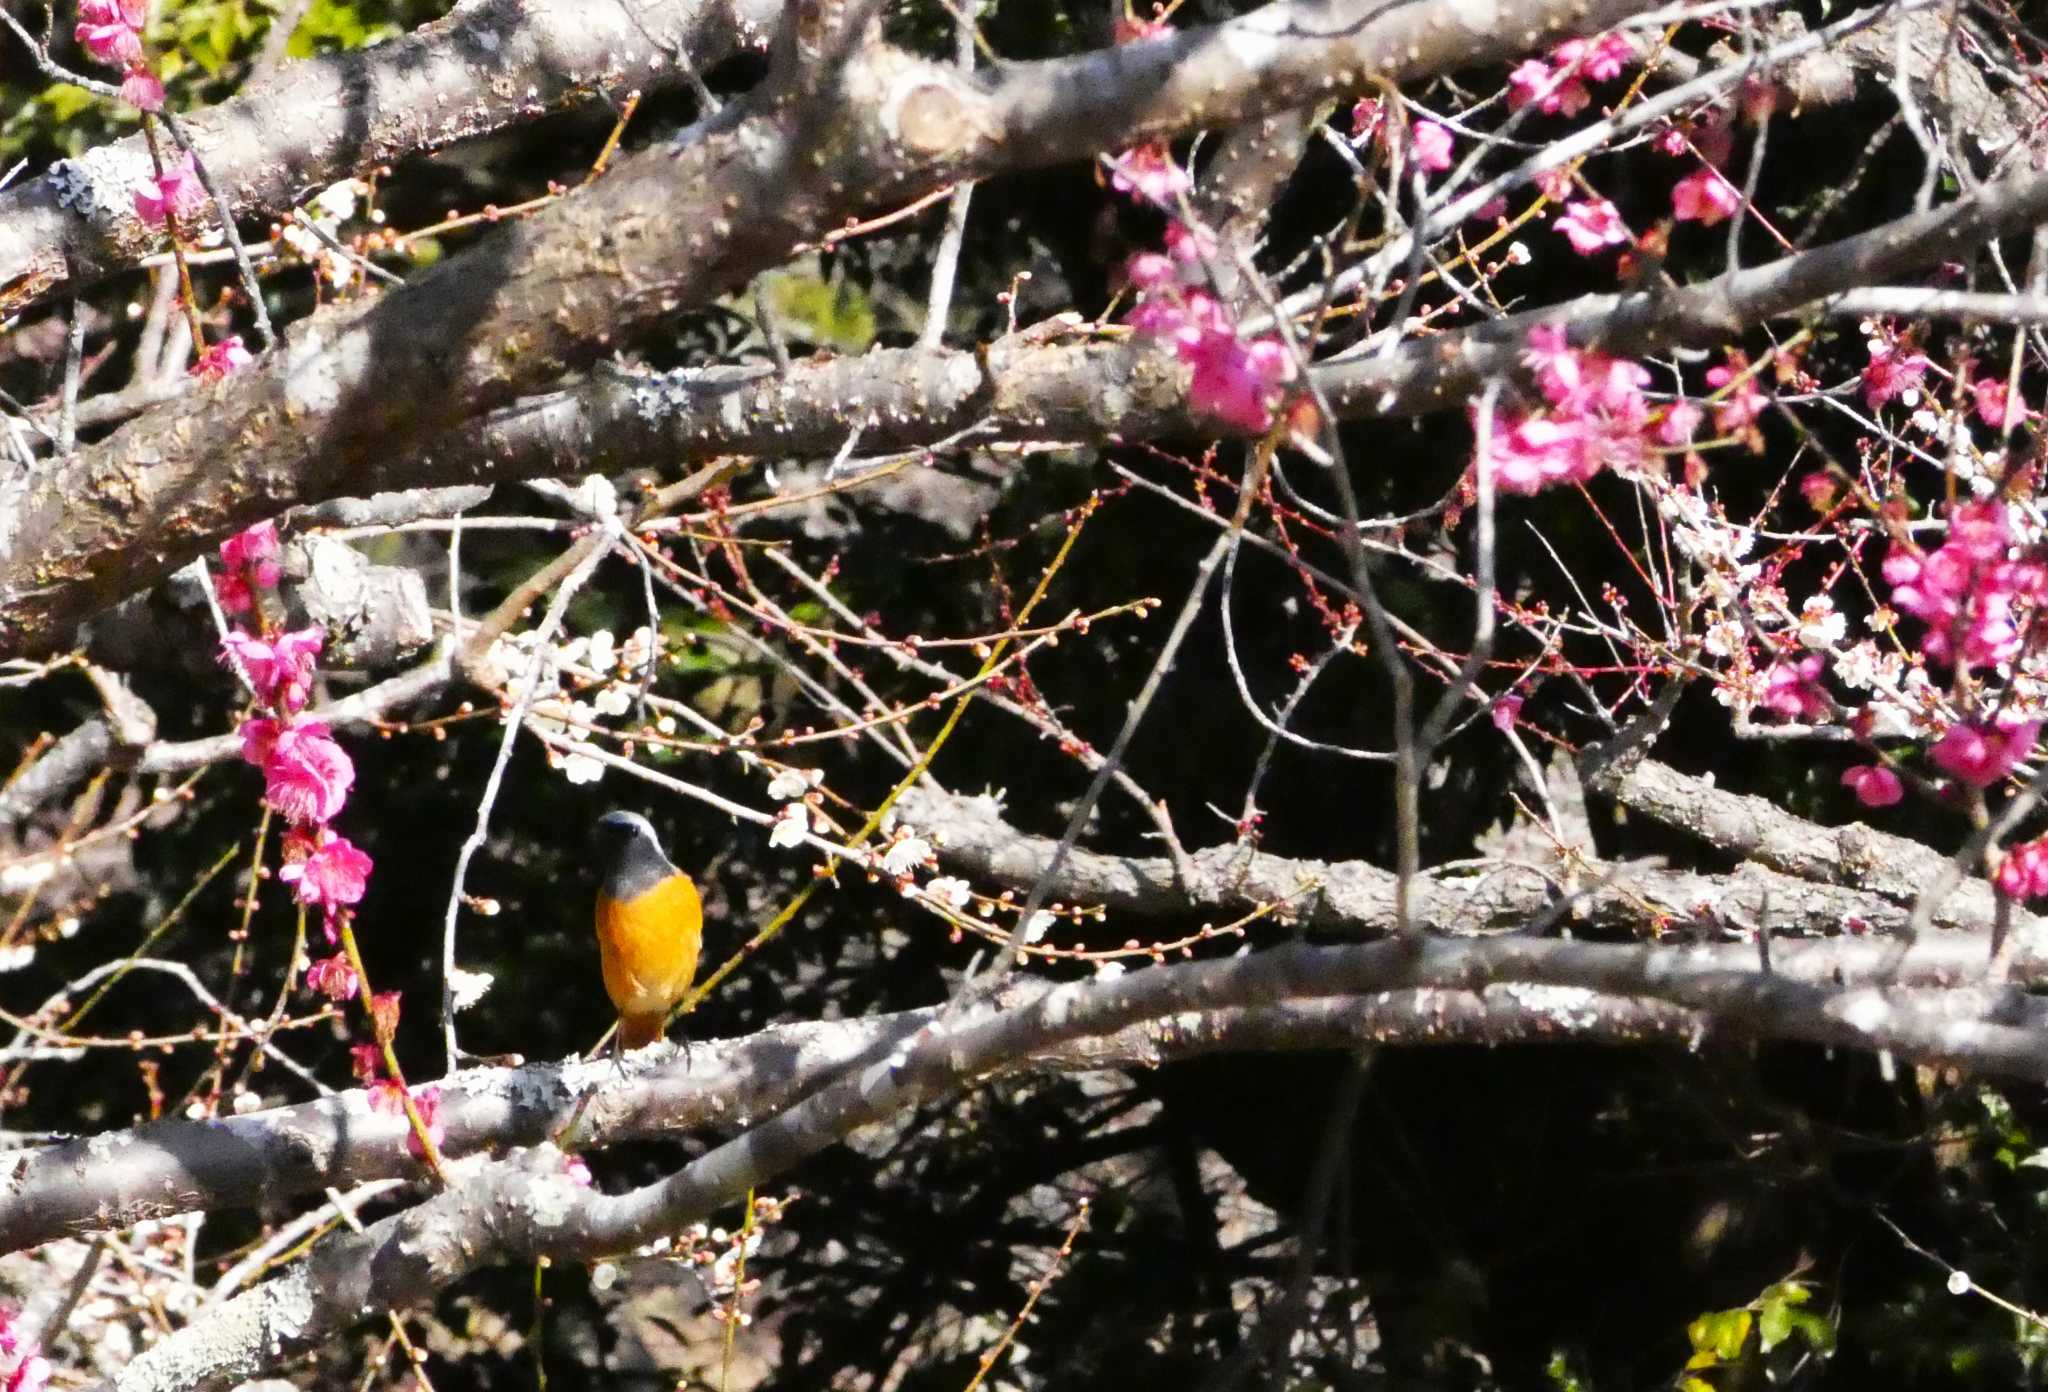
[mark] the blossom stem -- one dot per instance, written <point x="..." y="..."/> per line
<point x="917" y="771"/>
<point x="186" y="297"/>
<point x="430" y="1151"/>
<point x="220" y="1054"/>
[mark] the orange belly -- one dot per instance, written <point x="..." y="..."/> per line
<point x="648" y="946"/>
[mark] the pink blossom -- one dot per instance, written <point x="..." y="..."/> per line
<point x="1532" y="80"/>
<point x="249" y="562"/>
<point x="1744" y="401"/>
<point x="1792" y="690"/>
<point x="31" y="1374"/>
<point x="1980" y="756"/>
<point x="1237" y="382"/>
<point x="232" y="590"/>
<point x="334" y="978"/>
<point x="222" y="359"/>
<point x="1188" y="245"/>
<point x="1596" y="417"/>
<point x="31" y="1371"/>
<point x="329" y="870"/>
<point x="177" y="194"/>
<point x="1534" y="452"/>
<point x="366" y="1061"/>
<point x="389" y="1097"/>
<point x="1974" y="601"/>
<point x="578" y="1170"/>
<point x="1491" y="208"/>
<point x="253" y="546"/>
<point x="1432" y="146"/>
<point x="1555" y="184"/>
<point x="307" y="774"/>
<point x="281" y="669"/>
<point x="111" y="30"/>
<point x="142" y="89"/>
<point x="1703" y="196"/>
<point x="1680" y="423"/>
<point x="1874" y="785"/>
<point x="1367" y="117"/>
<point x="1994" y="406"/>
<point x="1505" y="712"/>
<point x="1672" y="140"/>
<point x="2023" y="874"/>
<point x="1892" y="372"/>
<point x="1609" y="57"/>
<point x="1591" y="224"/>
<point x="259" y="738"/>
<point x="1129" y="30"/>
<point x="1150" y="173"/>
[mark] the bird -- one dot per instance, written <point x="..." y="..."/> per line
<point x="650" y="924"/>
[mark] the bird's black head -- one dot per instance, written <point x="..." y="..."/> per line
<point x="631" y="858"/>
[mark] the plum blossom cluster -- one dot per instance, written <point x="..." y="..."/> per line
<point x="386" y="1094"/>
<point x="26" y="1370"/>
<point x="111" y="31"/>
<point x="1975" y="596"/>
<point x="608" y="671"/>
<point x="176" y="193"/>
<point x="2023" y="874"/>
<point x="306" y="774"/>
<point x="1706" y="195"/>
<point x="1430" y="145"/>
<point x="1895" y="369"/>
<point x="1236" y="381"/>
<point x="1594" y="416"/>
<point x="797" y="790"/>
<point x="1557" y="86"/>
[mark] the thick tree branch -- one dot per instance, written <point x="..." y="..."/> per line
<point x="1812" y="880"/>
<point x="664" y="232"/>
<point x="487" y="65"/>
<point x="1025" y="387"/>
<point x="179" y="1166"/>
<point x="527" y="1206"/>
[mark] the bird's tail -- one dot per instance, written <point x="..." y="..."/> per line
<point x="638" y="1031"/>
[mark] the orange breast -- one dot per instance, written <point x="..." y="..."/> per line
<point x="648" y="946"/>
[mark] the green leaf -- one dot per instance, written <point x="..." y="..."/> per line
<point x="1559" y="1371"/>
<point x="1721" y="1333"/>
<point x="1818" y="1331"/>
<point x="1773" y="1324"/>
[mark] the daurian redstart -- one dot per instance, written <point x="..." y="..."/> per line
<point x="650" y="924"/>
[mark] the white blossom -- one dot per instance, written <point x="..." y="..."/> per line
<point x="952" y="889"/>
<point x="1819" y="625"/>
<point x="612" y="700"/>
<point x="581" y="768"/>
<point x="792" y="824"/>
<point x="638" y="649"/>
<point x="1035" y="926"/>
<point x="906" y="855"/>
<point x="1723" y="638"/>
<point x="466" y="988"/>
<point x="793" y="783"/>
<point x="1862" y="666"/>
